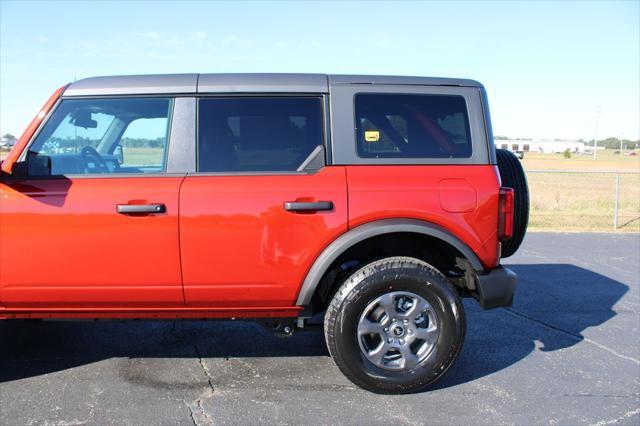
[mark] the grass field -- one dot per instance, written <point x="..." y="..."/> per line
<point x="583" y="202"/>
<point x="563" y="197"/>
<point x="143" y="156"/>
<point x="607" y="161"/>
<point x="573" y="200"/>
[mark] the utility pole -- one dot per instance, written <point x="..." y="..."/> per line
<point x="595" y="136"/>
<point x="621" y="137"/>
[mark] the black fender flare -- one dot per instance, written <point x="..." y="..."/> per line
<point x="372" y="229"/>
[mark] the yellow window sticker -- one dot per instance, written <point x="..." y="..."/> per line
<point x="372" y="135"/>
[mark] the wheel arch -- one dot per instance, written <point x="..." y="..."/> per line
<point x="373" y="229"/>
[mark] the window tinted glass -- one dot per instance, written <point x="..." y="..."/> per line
<point x="103" y="136"/>
<point x="412" y="126"/>
<point x="257" y="134"/>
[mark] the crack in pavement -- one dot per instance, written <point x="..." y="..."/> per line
<point x="199" y="416"/>
<point x="578" y="337"/>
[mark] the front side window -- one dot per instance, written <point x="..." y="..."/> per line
<point x="95" y="136"/>
<point x="412" y="126"/>
<point x="257" y="134"/>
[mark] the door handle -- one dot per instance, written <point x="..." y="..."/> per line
<point x="298" y="206"/>
<point x="140" y="208"/>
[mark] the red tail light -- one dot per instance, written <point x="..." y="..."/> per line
<point x="505" y="214"/>
<point x="15" y="152"/>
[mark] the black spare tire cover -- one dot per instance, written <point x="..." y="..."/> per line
<point x="512" y="176"/>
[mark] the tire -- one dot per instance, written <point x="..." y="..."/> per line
<point x="359" y="304"/>
<point x="512" y="176"/>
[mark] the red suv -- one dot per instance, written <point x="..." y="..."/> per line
<point x="378" y="201"/>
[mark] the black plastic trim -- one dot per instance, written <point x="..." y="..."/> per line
<point x="294" y="206"/>
<point x="496" y="288"/>
<point x="372" y="229"/>
<point x="140" y="208"/>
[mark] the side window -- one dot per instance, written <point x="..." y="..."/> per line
<point x="143" y="143"/>
<point x="95" y="136"/>
<point x="257" y="134"/>
<point x="412" y="126"/>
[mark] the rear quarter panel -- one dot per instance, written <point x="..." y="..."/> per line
<point x="463" y="199"/>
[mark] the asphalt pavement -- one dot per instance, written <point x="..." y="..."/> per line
<point x="567" y="352"/>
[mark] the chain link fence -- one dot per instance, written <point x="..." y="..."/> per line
<point x="584" y="201"/>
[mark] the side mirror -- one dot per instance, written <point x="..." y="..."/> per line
<point x="38" y="165"/>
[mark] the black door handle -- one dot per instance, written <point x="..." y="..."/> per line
<point x="296" y="206"/>
<point x="140" y="208"/>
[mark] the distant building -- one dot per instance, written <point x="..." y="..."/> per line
<point x="7" y="142"/>
<point x="542" y="146"/>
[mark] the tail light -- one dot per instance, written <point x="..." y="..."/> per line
<point x="505" y="214"/>
<point x="20" y="145"/>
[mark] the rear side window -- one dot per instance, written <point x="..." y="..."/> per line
<point x="257" y="134"/>
<point x="412" y="126"/>
<point x="97" y="136"/>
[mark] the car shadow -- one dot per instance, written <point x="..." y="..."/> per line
<point x="554" y="304"/>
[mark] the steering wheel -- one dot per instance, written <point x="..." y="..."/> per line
<point x="94" y="163"/>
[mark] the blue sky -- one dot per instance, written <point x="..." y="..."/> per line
<point x="547" y="65"/>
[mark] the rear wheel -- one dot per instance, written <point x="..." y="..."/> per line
<point x="395" y="326"/>
<point x="512" y="176"/>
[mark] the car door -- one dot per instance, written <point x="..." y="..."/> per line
<point x="91" y="221"/>
<point x="262" y="204"/>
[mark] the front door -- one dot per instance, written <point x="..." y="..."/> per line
<point x="255" y="216"/>
<point x="92" y="223"/>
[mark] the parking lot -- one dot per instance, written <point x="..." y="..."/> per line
<point x="567" y="352"/>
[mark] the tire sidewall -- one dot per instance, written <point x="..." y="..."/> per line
<point x="437" y="291"/>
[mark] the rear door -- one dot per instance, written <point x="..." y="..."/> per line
<point x="93" y="220"/>
<point x="262" y="204"/>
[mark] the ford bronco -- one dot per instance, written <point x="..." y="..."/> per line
<point x="377" y="201"/>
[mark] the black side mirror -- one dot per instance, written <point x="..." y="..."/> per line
<point x="38" y="165"/>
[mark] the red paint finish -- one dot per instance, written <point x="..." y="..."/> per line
<point x="20" y="145"/>
<point x="457" y="196"/>
<point x="381" y="192"/>
<point x="241" y="248"/>
<point x="63" y="244"/>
